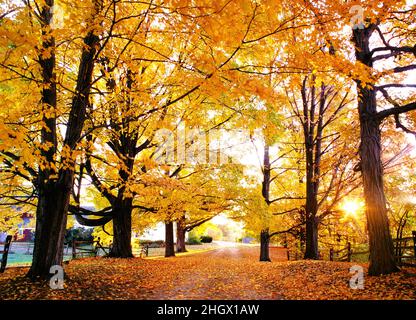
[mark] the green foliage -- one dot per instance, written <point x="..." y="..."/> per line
<point x="206" y="239"/>
<point x="193" y="240"/>
<point x="81" y="234"/>
<point x="209" y="229"/>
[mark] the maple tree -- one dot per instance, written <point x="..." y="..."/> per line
<point x="87" y="88"/>
<point x="315" y="151"/>
<point x="326" y="182"/>
<point x="54" y="176"/>
<point x="381" y="247"/>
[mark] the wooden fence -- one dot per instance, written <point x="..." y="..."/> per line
<point x="343" y="254"/>
<point x="143" y="250"/>
<point x="404" y="252"/>
<point x="83" y="249"/>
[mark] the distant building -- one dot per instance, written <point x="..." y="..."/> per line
<point x="25" y="233"/>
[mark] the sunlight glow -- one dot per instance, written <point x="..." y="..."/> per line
<point x="352" y="207"/>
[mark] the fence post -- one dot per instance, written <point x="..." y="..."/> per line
<point x="5" y="253"/>
<point x="349" y="251"/>
<point x="331" y="254"/>
<point x="74" y="253"/>
<point x="414" y="242"/>
<point x="97" y="246"/>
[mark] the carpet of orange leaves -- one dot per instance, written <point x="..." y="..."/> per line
<point x="227" y="273"/>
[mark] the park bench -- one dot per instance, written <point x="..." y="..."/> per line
<point x="5" y="253"/>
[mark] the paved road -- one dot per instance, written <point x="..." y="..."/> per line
<point x="225" y="273"/>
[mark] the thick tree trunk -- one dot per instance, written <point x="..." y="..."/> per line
<point x="311" y="251"/>
<point x="169" y="241"/>
<point x="264" y="245"/>
<point x="381" y="245"/>
<point x="311" y="234"/>
<point x="122" y="211"/>
<point x="121" y="247"/>
<point x="180" y="236"/>
<point x="51" y="218"/>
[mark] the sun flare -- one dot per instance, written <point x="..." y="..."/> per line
<point x="352" y="207"/>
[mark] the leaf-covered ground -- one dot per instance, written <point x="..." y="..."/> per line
<point x="227" y="273"/>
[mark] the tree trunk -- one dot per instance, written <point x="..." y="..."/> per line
<point x="313" y="162"/>
<point x="121" y="247"/>
<point x="50" y="229"/>
<point x="311" y="206"/>
<point x="381" y="244"/>
<point x="311" y="251"/>
<point x="180" y="236"/>
<point x="265" y="190"/>
<point x="264" y="245"/>
<point x="169" y="242"/>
